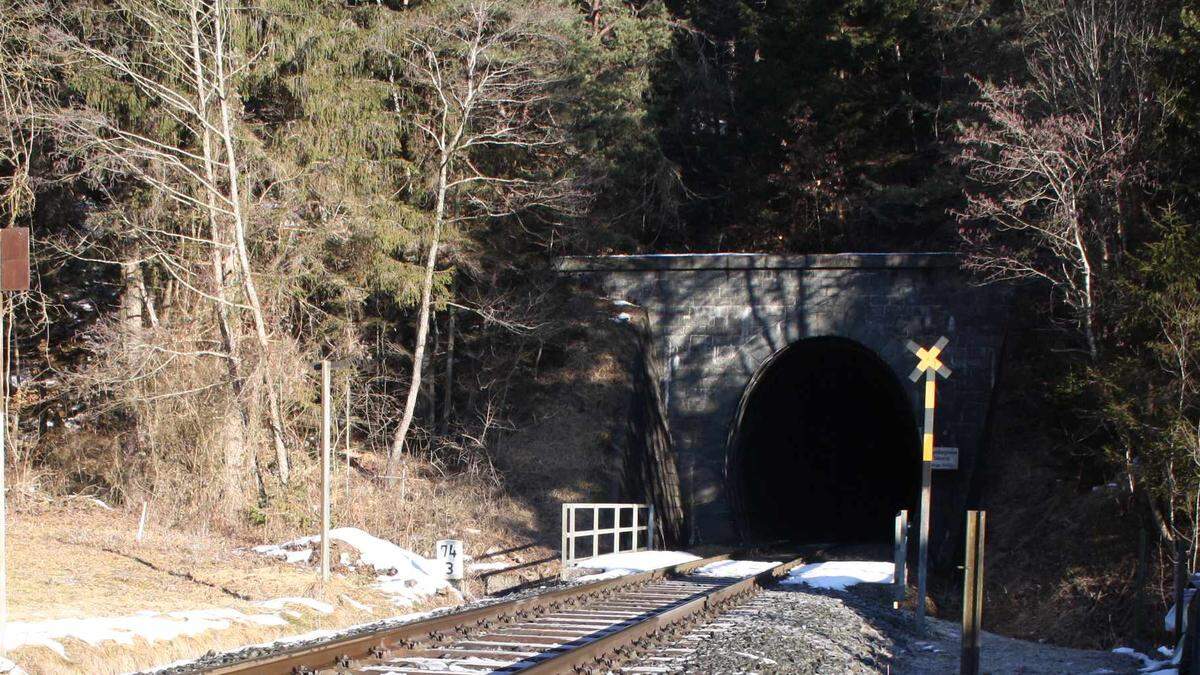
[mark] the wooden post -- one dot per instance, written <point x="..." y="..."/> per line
<point x="348" y="432"/>
<point x="1180" y="585"/>
<point x="972" y="593"/>
<point x="3" y="487"/>
<point x="448" y="393"/>
<point x="900" y="578"/>
<point x="326" y="423"/>
<point x="14" y="276"/>
<point x="1187" y="662"/>
<point x="1139" y="587"/>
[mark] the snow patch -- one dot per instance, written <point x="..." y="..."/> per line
<point x="1169" y="618"/>
<point x="1150" y="665"/>
<point x="147" y="625"/>
<point x="734" y="568"/>
<point x="838" y="575"/>
<point x="356" y="604"/>
<point x="319" y="634"/>
<point x="404" y="576"/>
<point x="620" y="564"/>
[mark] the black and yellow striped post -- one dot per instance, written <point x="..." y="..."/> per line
<point x="931" y="366"/>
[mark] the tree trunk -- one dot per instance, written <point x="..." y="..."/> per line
<point x="131" y="304"/>
<point x="235" y="419"/>
<point x="430" y="367"/>
<point x="448" y="392"/>
<point x="1089" y="306"/>
<point x="243" y="256"/>
<point x="414" y="386"/>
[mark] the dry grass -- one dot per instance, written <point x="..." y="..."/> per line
<point x="571" y="449"/>
<point x="1061" y="556"/>
<point x="79" y="561"/>
<point x="70" y="558"/>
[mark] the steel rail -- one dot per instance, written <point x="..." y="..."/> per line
<point x="336" y="652"/>
<point x="599" y="652"/>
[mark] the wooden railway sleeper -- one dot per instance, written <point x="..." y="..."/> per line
<point x="304" y="658"/>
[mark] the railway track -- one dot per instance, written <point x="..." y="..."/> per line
<point x="590" y="627"/>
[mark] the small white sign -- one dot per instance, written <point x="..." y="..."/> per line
<point x="945" y="459"/>
<point x="450" y="558"/>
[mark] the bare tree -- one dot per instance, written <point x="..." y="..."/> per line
<point x="485" y="71"/>
<point x="1057" y="160"/>
<point x="176" y="54"/>
<point x="23" y="86"/>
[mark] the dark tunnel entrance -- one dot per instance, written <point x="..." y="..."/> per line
<point x="825" y="446"/>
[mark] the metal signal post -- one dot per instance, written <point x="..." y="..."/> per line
<point x="14" y="276"/>
<point x="931" y="366"/>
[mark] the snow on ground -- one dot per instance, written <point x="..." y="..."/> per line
<point x="734" y="568"/>
<point x="404" y="576"/>
<point x="1169" y="617"/>
<point x="10" y="668"/>
<point x="839" y="575"/>
<point x="148" y="625"/>
<point x="619" y="564"/>
<point x="1151" y="665"/>
<point x="318" y="634"/>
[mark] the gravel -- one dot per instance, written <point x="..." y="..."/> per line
<point x="800" y="630"/>
<point x="794" y="629"/>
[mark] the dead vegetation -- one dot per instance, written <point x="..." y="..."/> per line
<point x="77" y="559"/>
<point x="193" y="555"/>
<point x="1062" y="545"/>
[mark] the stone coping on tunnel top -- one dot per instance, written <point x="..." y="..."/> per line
<point x="754" y="261"/>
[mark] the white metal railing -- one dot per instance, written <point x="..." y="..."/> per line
<point x="637" y="535"/>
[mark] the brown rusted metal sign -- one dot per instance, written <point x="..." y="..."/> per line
<point x="14" y="259"/>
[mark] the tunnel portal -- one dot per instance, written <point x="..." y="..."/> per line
<point x="714" y="322"/>
<point x="825" y="446"/>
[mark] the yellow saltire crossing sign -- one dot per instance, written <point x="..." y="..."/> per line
<point x="930" y="364"/>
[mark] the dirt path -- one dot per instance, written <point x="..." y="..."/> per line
<point x="938" y="652"/>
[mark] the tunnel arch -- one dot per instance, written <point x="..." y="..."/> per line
<point x="824" y="446"/>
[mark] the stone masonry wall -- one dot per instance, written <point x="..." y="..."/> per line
<point x="717" y="318"/>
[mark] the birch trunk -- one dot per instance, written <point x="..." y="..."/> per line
<point x="448" y="392"/>
<point x="414" y="387"/>
<point x="235" y="420"/>
<point x="1089" y="307"/>
<point x="239" y="242"/>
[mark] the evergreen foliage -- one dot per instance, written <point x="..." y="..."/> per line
<point x="647" y="125"/>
